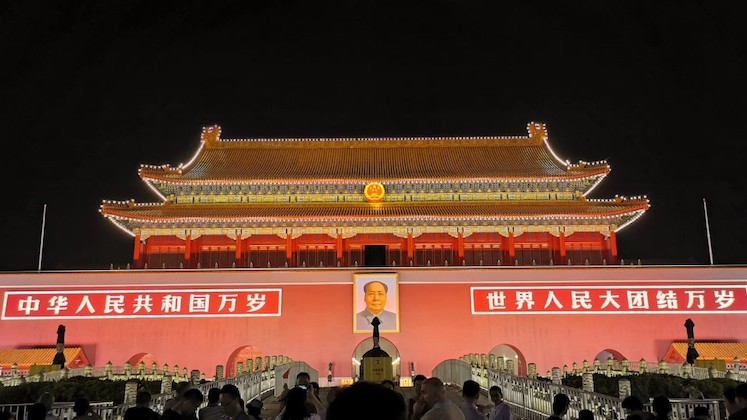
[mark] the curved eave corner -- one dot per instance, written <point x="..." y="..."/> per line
<point x="597" y="180"/>
<point x="635" y="215"/>
<point x="538" y="132"/>
<point x="118" y="223"/>
<point x="151" y="174"/>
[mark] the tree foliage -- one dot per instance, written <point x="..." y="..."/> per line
<point x="73" y="388"/>
<point x="649" y="385"/>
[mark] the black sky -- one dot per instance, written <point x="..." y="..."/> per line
<point x="91" y="90"/>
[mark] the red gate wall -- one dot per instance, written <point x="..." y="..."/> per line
<point x="435" y="309"/>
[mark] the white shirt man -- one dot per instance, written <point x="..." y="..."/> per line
<point x="501" y="410"/>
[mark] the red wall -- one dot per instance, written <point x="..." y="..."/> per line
<point x="436" y="321"/>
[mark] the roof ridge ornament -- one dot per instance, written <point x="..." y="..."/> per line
<point x="537" y="131"/>
<point x="210" y="135"/>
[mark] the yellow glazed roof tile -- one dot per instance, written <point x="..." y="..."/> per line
<point x="713" y="350"/>
<point x="35" y="356"/>
<point x="381" y="159"/>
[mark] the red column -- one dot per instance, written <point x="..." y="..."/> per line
<point x="187" y="247"/>
<point x="288" y="249"/>
<point x="511" y="249"/>
<point x="338" y="247"/>
<point x="562" y="248"/>
<point x="238" y="249"/>
<point x="613" y="246"/>
<point x="410" y="247"/>
<point x="136" y="251"/>
<point x="460" y="247"/>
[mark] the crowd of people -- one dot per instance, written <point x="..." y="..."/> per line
<point x="366" y="400"/>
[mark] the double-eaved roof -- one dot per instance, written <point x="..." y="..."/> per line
<point x="320" y="182"/>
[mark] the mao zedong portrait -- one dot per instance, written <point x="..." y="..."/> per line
<point x="374" y="295"/>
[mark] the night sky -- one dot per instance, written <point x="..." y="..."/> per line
<point x="92" y="89"/>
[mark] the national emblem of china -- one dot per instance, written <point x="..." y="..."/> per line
<point x="374" y="192"/>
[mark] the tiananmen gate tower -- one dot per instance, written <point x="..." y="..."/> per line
<point x="374" y="201"/>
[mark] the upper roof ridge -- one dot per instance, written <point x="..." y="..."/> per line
<point x="211" y="137"/>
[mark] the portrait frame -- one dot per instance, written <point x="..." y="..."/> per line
<point x="391" y="280"/>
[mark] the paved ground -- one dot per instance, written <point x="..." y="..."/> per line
<point x="272" y="408"/>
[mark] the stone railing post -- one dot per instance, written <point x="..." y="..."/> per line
<point x="141" y="369"/>
<point x="711" y="371"/>
<point x="249" y="365"/>
<point x="484" y="360"/>
<point x="686" y="370"/>
<point x="195" y="374"/>
<point x="88" y="372"/>
<point x="491" y="360"/>
<point x="555" y="375"/>
<point x="597" y="365"/>
<point x="663" y="366"/>
<point x="166" y="384"/>
<point x="273" y="362"/>
<point x="736" y="364"/>
<point x="154" y="369"/>
<point x="585" y="365"/>
<point x="623" y="388"/>
<point x="14" y="370"/>
<point x="259" y="363"/>
<point x="643" y="366"/>
<point x="166" y="369"/>
<point x="176" y="373"/>
<point x="108" y="370"/>
<point x="587" y="381"/>
<point x="267" y="363"/>
<point x="239" y="368"/>
<point x="219" y="372"/>
<point x="625" y="366"/>
<point x="130" y="392"/>
<point x="575" y="368"/>
<point x="127" y="370"/>
<point x="510" y="367"/>
<point x="565" y="371"/>
<point x="501" y="364"/>
<point x="532" y="370"/>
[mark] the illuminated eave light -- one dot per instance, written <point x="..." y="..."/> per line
<point x="121" y="226"/>
<point x="596" y="184"/>
<point x="354" y="139"/>
<point x="153" y="188"/>
<point x="566" y="163"/>
<point x="632" y="219"/>
<point x="194" y="157"/>
<point x="362" y="183"/>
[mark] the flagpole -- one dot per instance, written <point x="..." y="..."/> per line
<point x="41" y="243"/>
<point x="708" y="231"/>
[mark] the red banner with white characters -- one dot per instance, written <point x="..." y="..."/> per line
<point x="123" y="303"/>
<point x="608" y="300"/>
